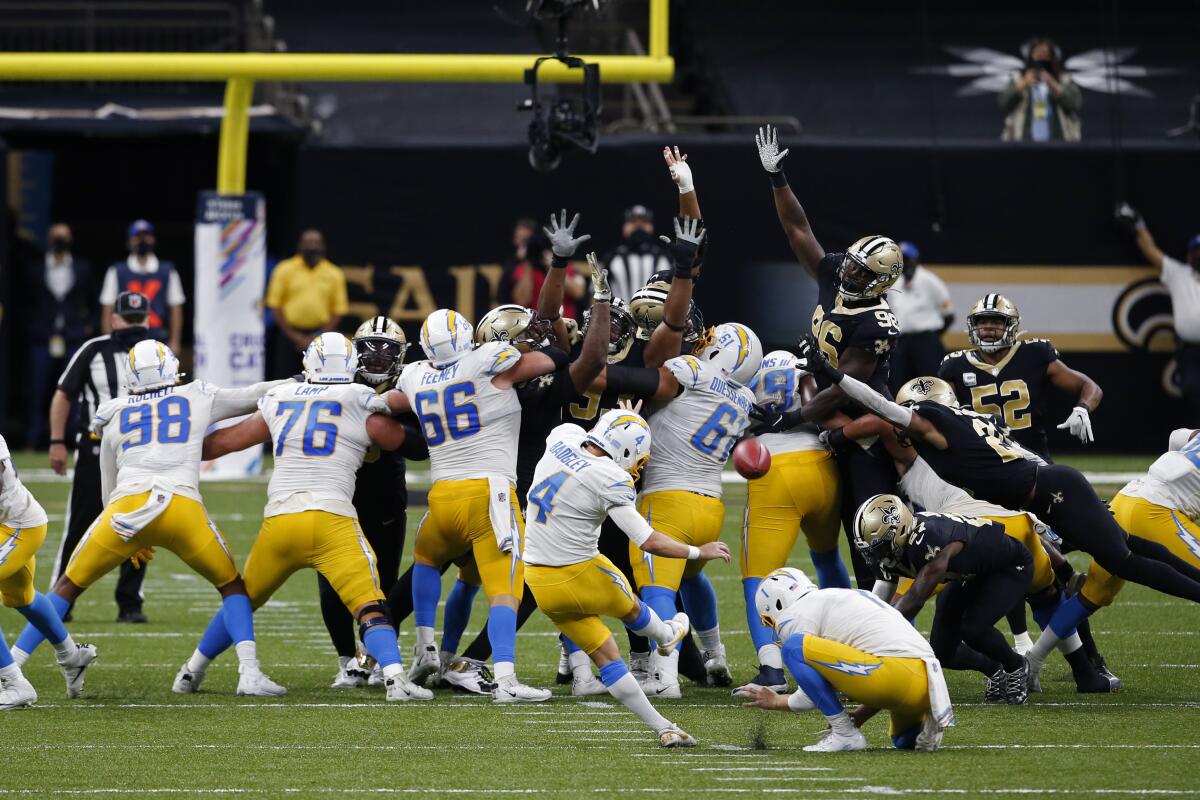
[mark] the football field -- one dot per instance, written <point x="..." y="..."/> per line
<point x="130" y="736"/>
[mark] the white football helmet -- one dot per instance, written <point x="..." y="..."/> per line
<point x="330" y="358"/>
<point x="778" y="591"/>
<point x="776" y="385"/>
<point x="445" y="336"/>
<point x="152" y="366"/>
<point x="625" y="436"/>
<point x="733" y="349"/>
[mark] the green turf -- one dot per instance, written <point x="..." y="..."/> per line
<point x="129" y="735"/>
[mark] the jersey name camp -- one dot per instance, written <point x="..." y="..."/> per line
<point x="1013" y="389"/>
<point x="985" y="546"/>
<point x="866" y="324"/>
<point x="470" y="425"/>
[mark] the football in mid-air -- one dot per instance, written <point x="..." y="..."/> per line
<point x="751" y="458"/>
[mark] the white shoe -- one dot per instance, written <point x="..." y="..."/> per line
<point x="469" y="675"/>
<point x="656" y="687"/>
<point x="349" y="675"/>
<point x="1035" y="674"/>
<point x="187" y="681"/>
<point x="929" y="740"/>
<point x="675" y="737"/>
<point x="639" y="667"/>
<point x="252" y="682"/>
<point x="679" y="625"/>
<point x="401" y="689"/>
<point x="717" y="666"/>
<point x="16" y="692"/>
<point x="838" y="743"/>
<point x="588" y="687"/>
<point x="425" y="663"/>
<point x="513" y="691"/>
<point x="376" y="677"/>
<point x="74" y="665"/>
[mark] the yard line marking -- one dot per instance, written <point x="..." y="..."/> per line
<point x="741" y="778"/>
<point x="758" y="769"/>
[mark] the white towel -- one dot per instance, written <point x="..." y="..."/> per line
<point x="130" y="523"/>
<point x="500" y="510"/>
<point x="939" y="694"/>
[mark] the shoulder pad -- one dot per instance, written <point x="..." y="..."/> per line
<point x="688" y="370"/>
<point x="567" y="432"/>
<point x="496" y="357"/>
<point x="956" y="354"/>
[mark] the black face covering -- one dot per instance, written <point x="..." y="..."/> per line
<point x="311" y="257"/>
<point x="638" y="238"/>
<point x="59" y="245"/>
<point x="143" y="248"/>
<point x="125" y="338"/>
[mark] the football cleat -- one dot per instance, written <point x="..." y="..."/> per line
<point x="425" y="663"/>
<point x="639" y="666"/>
<point x="839" y="742"/>
<point x="187" y="681"/>
<point x="656" y="687"/>
<point x="376" y="677"/>
<point x="1035" y="674"/>
<point x="513" y="691"/>
<point x="717" y="667"/>
<point x="564" y="675"/>
<point x="349" y="676"/>
<point x="469" y="675"/>
<point x="73" y="667"/>
<point x="16" y="692"/>
<point x="588" y="687"/>
<point x="253" y="682"/>
<point x="929" y="740"/>
<point x="769" y="677"/>
<point x="401" y="689"/>
<point x="993" y="691"/>
<point x="675" y="736"/>
<point x="679" y="625"/>
<point x="1113" y="681"/>
<point x="1016" y="685"/>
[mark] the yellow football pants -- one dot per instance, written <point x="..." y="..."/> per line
<point x="574" y="597"/>
<point x="18" y="549"/>
<point x="798" y="493"/>
<point x="331" y="544"/>
<point x="1172" y="529"/>
<point x="686" y="517"/>
<point x="896" y="684"/>
<point x="184" y="528"/>
<point x="458" y="521"/>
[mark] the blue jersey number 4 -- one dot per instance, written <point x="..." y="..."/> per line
<point x="543" y="494"/>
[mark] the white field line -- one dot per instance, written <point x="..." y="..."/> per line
<point x="825" y="790"/>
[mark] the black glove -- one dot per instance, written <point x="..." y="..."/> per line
<point x="815" y="359"/>
<point x="835" y="441"/>
<point x="763" y="420"/>
<point x="689" y="233"/>
<point x="1127" y="218"/>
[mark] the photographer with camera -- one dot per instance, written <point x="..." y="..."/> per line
<point x="1041" y="102"/>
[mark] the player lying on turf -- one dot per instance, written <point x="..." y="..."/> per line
<point x="22" y="531"/>
<point x="582" y="479"/>
<point x="800" y="492"/>
<point x="981" y="569"/>
<point x="974" y="451"/>
<point x="320" y="431"/>
<point x="850" y="641"/>
<point x="1161" y="506"/>
<point x="150" y="453"/>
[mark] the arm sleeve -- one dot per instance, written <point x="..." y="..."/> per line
<point x="236" y="402"/>
<point x="415" y="448"/>
<point x="631" y="523"/>
<point x="872" y="400"/>
<point x="108" y="290"/>
<point x="637" y="381"/>
<point x="884" y="590"/>
<point x="175" y="293"/>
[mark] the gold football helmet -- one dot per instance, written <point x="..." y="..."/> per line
<point x="928" y="388"/>
<point x="882" y="525"/>
<point x="519" y="326"/>
<point x="381" y="346"/>
<point x="647" y="306"/>
<point x="994" y="306"/>
<point x="870" y="267"/>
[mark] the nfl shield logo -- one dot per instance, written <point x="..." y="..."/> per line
<point x="969" y="378"/>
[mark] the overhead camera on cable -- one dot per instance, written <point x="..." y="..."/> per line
<point x="563" y="119"/>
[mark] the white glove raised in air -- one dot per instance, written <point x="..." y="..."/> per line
<point x="768" y="148"/>
<point x="681" y="173"/>
<point x="1079" y="425"/>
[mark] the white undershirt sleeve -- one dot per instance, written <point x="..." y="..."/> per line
<point x="873" y="400"/>
<point x="632" y="523"/>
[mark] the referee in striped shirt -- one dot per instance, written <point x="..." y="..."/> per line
<point x="97" y="372"/>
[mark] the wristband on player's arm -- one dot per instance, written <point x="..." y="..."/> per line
<point x="778" y="179"/>
<point x="636" y="381"/>
<point x="693" y="553"/>
<point x="837" y="441"/>
<point x="559" y="262"/>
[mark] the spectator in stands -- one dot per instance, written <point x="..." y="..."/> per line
<point x="1041" y="102"/>
<point x="62" y="296"/>
<point x="1183" y="283"/>
<point x="639" y="255"/>
<point x="530" y="274"/>
<point x="307" y="296"/>
<point x="921" y="303"/>
<point x="158" y="280"/>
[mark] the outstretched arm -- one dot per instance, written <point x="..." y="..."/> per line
<point x="1131" y="221"/>
<point x="681" y="175"/>
<point x="667" y="339"/>
<point x="791" y="214"/>
<point x="855" y="362"/>
<point x="247" y="433"/>
<point x="563" y="244"/>
<point x="594" y="352"/>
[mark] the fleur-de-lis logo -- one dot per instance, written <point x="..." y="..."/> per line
<point x="923" y="386"/>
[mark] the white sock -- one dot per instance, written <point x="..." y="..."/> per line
<point x="392" y="670"/>
<point x="65" y="647"/>
<point x="628" y="692"/>
<point x="344" y="661"/>
<point x="1042" y="647"/>
<point x="198" y="662"/>
<point x="424" y="636"/>
<point x="19" y="656"/>
<point x="655" y="629"/>
<point x="581" y="665"/>
<point x="1070" y="644"/>
<point x="247" y="652"/>
<point x="710" y="639"/>
<point x="841" y="723"/>
<point x="1021" y="641"/>
<point x="769" y="655"/>
<point x="503" y="670"/>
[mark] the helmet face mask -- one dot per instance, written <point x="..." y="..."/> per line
<point x="869" y="268"/>
<point x="622" y="329"/>
<point x="882" y="525"/>
<point x="993" y="324"/>
<point x="380" y="345"/>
